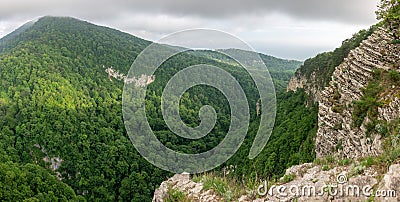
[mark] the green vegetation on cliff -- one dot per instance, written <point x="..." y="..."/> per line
<point x="324" y="64"/>
<point x="380" y="85"/>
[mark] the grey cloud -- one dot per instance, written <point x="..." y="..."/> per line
<point x="268" y="23"/>
<point x="354" y="11"/>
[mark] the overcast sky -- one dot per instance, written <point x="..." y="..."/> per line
<point x="294" y="29"/>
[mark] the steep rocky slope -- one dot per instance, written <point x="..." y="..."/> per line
<point x="308" y="182"/>
<point x="315" y="74"/>
<point x="335" y="111"/>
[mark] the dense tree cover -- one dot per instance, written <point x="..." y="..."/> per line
<point x="388" y="10"/>
<point x="56" y="100"/>
<point x="32" y="183"/>
<point x="191" y="102"/>
<point x="324" y="64"/>
<point x="291" y="142"/>
<point x="55" y="94"/>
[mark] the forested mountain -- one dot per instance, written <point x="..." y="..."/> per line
<point x="57" y="101"/>
<point x="62" y="134"/>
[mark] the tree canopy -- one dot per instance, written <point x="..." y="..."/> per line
<point x="57" y="101"/>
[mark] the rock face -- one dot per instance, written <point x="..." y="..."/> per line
<point x="296" y="82"/>
<point x="391" y="181"/>
<point x="335" y="135"/>
<point x="300" y="81"/>
<point x="310" y="183"/>
<point x="141" y="81"/>
<point x="182" y="182"/>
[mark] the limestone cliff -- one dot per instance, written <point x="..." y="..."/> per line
<point x="300" y="81"/>
<point x="315" y="74"/>
<point x="336" y="132"/>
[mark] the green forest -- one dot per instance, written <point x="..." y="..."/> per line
<point x="60" y="109"/>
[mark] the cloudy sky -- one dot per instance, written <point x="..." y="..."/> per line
<point x="294" y="29"/>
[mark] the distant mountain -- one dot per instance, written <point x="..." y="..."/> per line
<point x="281" y="70"/>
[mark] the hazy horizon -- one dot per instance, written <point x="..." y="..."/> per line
<point x="285" y="29"/>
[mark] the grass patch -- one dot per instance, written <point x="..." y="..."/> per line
<point x="369" y="103"/>
<point x="224" y="187"/>
<point x="288" y="178"/>
<point x="395" y="41"/>
<point x="325" y="167"/>
<point x="175" y="195"/>
<point x="344" y="162"/>
<point x="357" y="170"/>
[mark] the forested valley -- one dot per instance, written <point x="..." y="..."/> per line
<point x="62" y="135"/>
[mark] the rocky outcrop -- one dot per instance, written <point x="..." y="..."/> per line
<point x="194" y="191"/>
<point x="391" y="182"/>
<point x="299" y="81"/>
<point x="141" y="81"/>
<point x="336" y="135"/>
<point x="310" y="182"/>
<point x="296" y="82"/>
<point x="313" y="183"/>
<point x="55" y="162"/>
<point x="343" y="183"/>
